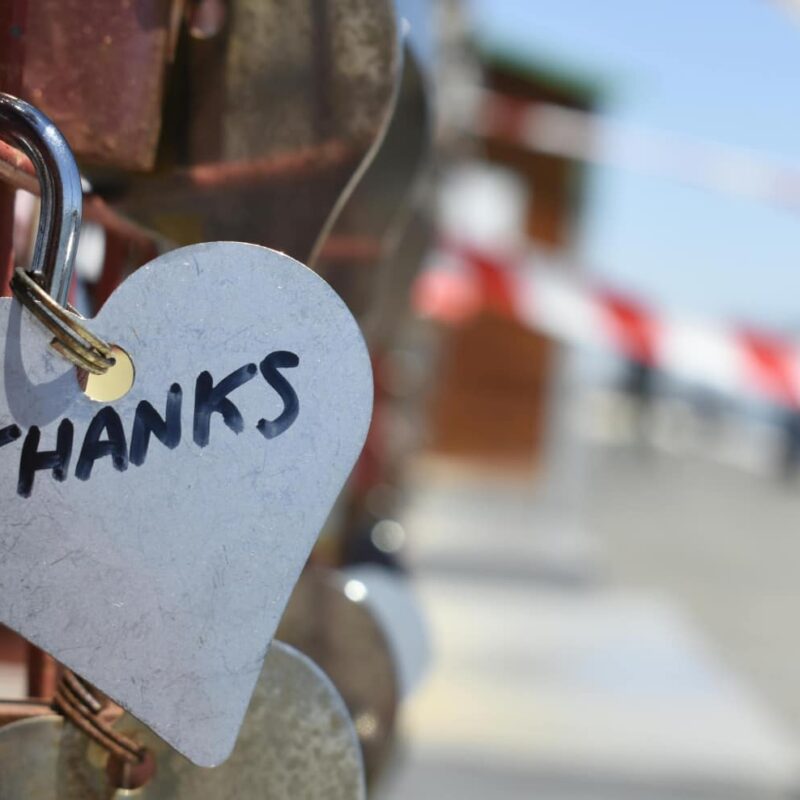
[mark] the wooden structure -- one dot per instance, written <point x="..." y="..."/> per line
<point x="495" y="374"/>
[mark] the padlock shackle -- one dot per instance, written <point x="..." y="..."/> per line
<point x="25" y="127"/>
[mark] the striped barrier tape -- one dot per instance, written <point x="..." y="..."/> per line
<point x="462" y="280"/>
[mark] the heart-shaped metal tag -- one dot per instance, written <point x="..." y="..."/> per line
<point x="151" y="543"/>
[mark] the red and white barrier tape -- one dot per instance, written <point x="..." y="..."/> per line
<point x="462" y="280"/>
<point x="559" y="131"/>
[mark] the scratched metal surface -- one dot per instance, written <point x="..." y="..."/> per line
<point x="297" y="741"/>
<point x="97" y="69"/>
<point x="343" y="636"/>
<point x="28" y="754"/>
<point x="163" y="584"/>
<point x="379" y="207"/>
<point x="280" y="115"/>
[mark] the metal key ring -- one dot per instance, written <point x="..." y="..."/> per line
<point x="44" y="290"/>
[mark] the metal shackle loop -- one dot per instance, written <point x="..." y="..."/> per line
<point x="44" y="290"/>
<point x="27" y="128"/>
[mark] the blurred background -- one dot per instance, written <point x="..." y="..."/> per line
<point x="602" y="524"/>
<point x="566" y="565"/>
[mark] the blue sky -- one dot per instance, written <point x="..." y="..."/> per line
<point x="724" y="70"/>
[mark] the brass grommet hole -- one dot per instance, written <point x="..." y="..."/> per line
<point x="116" y="382"/>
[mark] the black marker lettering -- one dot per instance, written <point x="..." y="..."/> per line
<point x="9" y="434"/>
<point x="105" y="435"/>
<point x="209" y="399"/>
<point x="32" y="460"/>
<point x="291" y="405"/>
<point x="105" y="420"/>
<point x="148" y="421"/>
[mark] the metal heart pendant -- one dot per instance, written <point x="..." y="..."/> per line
<point x="297" y="741"/>
<point x="151" y="542"/>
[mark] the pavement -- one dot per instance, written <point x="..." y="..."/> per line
<point x="634" y="637"/>
<point x="622" y="627"/>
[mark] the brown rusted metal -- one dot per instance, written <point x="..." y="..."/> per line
<point x="42" y="673"/>
<point x="17" y="171"/>
<point x="186" y="185"/>
<point x="97" y="69"/>
<point x="13" y="20"/>
<point x="287" y="137"/>
<point x="284" y="211"/>
<point x="7" y="196"/>
<point x="352" y="250"/>
<point x="277" y="115"/>
<point x="206" y="18"/>
<point x="95" y="209"/>
<point x="15" y="710"/>
<point x="13" y="24"/>
<point x="116" y="262"/>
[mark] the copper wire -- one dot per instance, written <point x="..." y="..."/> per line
<point x="76" y="702"/>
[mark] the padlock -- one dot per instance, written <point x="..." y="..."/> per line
<point x="77" y="57"/>
<point x="281" y="113"/>
<point x="151" y="517"/>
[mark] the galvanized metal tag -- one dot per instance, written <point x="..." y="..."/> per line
<point x="348" y="644"/>
<point x="151" y="543"/>
<point x="297" y="741"/>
